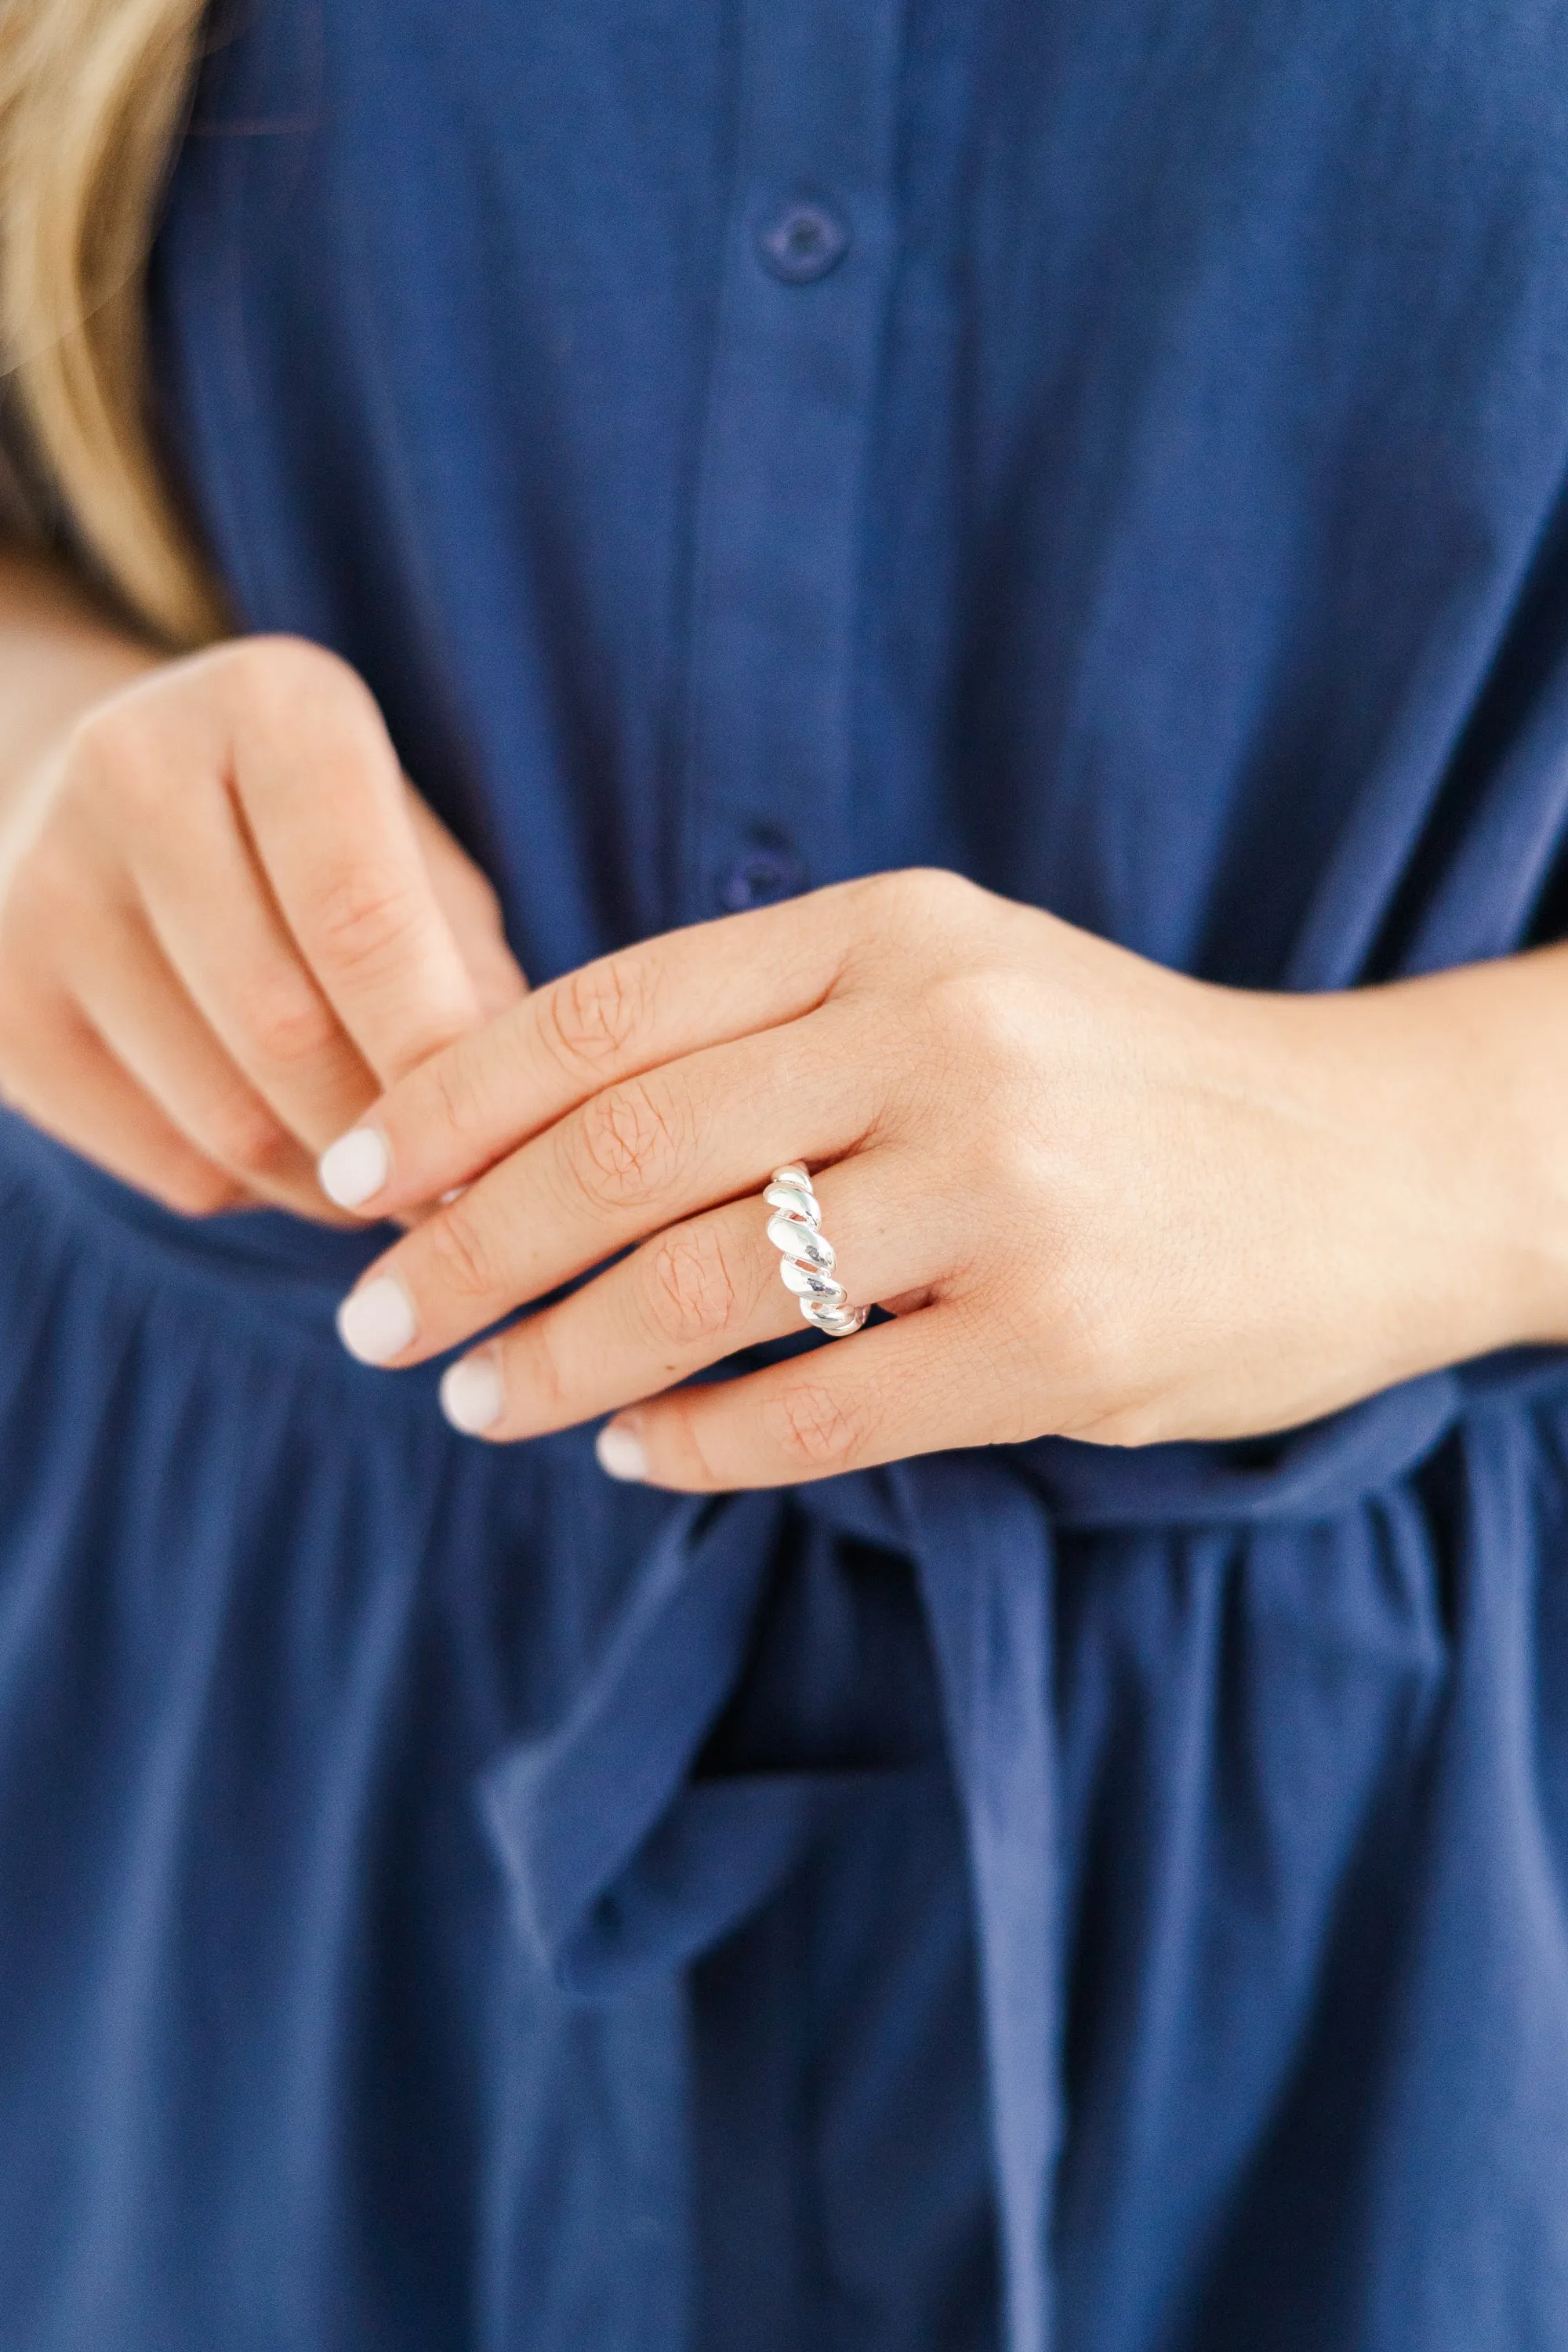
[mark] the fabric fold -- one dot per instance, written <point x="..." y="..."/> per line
<point x="574" y="1814"/>
<point x="984" y="1548"/>
<point x="621" y="1863"/>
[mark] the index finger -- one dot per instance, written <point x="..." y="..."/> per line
<point x="617" y="1018"/>
<point x="324" y="802"/>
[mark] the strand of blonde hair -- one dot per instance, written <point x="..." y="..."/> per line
<point x="93" y="99"/>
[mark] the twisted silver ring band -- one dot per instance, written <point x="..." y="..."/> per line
<point x="795" y="1229"/>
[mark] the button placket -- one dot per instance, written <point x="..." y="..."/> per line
<point x="808" y="274"/>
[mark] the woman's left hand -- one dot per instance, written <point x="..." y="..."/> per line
<point x="1098" y="1198"/>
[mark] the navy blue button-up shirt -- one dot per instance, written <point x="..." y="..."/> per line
<point x="1094" y="1901"/>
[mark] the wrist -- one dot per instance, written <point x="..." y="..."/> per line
<point x="1451" y="1096"/>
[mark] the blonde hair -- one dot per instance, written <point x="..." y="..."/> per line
<point x="94" y="99"/>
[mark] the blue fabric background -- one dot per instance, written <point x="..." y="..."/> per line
<point x="1110" y="1903"/>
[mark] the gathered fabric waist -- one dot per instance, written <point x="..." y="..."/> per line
<point x="279" y="1265"/>
<point x="623" y="1855"/>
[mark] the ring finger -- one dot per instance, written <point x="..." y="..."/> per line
<point x="687" y="1298"/>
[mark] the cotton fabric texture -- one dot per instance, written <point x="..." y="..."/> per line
<point x="1054" y="1899"/>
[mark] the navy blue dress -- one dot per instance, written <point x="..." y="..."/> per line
<point x="1057" y="1899"/>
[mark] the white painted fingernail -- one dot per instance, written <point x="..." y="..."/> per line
<point x="620" y="1451"/>
<point x="471" y="1395"/>
<point x="377" y="1321"/>
<point x="352" y="1170"/>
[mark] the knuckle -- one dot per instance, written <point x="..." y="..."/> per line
<point x="461" y="1254"/>
<point x="590" y="1019"/>
<point x="365" y="917"/>
<point x="977" y="1012"/>
<point x="816" y="1430"/>
<point x="460" y="1093"/>
<point x="633" y="1139"/>
<point x="271" y="678"/>
<point x="201" y="1193"/>
<point x="689" y="1450"/>
<point x="1124" y="1424"/>
<point x="921" y="898"/>
<point x="284" y="1021"/>
<point x="242" y="1134"/>
<point x="692" y="1293"/>
<point x="538" y="1370"/>
<point x="927" y="891"/>
<point x="113" y="759"/>
<point x="280" y="698"/>
<point x="54" y="894"/>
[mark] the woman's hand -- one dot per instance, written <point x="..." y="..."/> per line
<point x="1100" y="1199"/>
<point x="226" y="922"/>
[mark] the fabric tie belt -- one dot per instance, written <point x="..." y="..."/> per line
<point x="618" y="1861"/>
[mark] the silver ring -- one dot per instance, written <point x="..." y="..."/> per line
<point x="805" y="1254"/>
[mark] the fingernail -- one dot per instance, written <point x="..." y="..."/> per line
<point x="377" y="1321"/>
<point x="352" y="1170"/>
<point x="620" y="1451"/>
<point x="471" y="1395"/>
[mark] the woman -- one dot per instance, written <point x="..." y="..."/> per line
<point x="1038" y="1819"/>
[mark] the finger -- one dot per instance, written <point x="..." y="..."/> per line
<point x="920" y="1384"/>
<point x="690" y="1297"/>
<point x="155" y="1033"/>
<point x="328" y="810"/>
<point x="629" y="1161"/>
<point x="610" y="1021"/>
<point x="61" y="1076"/>
<point x="473" y="913"/>
<point x="214" y="920"/>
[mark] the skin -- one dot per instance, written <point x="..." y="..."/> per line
<point x="226" y="919"/>
<point x="1101" y="1199"/>
<point x="1097" y="1198"/>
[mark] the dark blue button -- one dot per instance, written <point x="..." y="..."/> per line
<point x="803" y="242"/>
<point x="760" y="878"/>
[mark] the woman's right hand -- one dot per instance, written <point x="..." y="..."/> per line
<point x="226" y="923"/>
